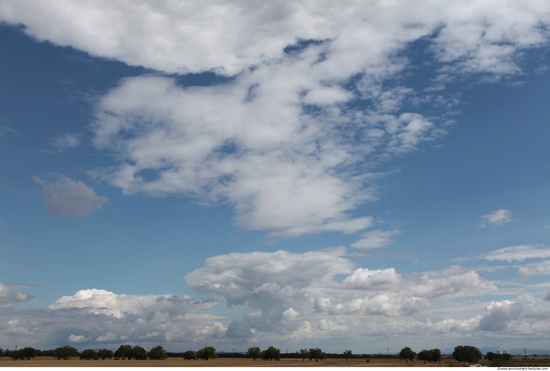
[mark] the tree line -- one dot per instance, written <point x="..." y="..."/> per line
<point x="461" y="353"/>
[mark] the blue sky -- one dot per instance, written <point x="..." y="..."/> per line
<point x="282" y="173"/>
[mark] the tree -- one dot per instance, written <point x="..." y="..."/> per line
<point x="189" y="355"/>
<point x="89" y="354"/>
<point x="425" y="355"/>
<point x="206" y="353"/>
<point x="466" y="353"/>
<point x="139" y="352"/>
<point x="316" y="354"/>
<point x="271" y="354"/>
<point x="347" y="354"/>
<point x="253" y="352"/>
<point x="433" y="355"/>
<point x="65" y="352"/>
<point x="407" y="354"/>
<point x="124" y="351"/>
<point x="158" y="353"/>
<point x="105" y="353"/>
<point x="303" y="354"/>
<point x="29" y="352"/>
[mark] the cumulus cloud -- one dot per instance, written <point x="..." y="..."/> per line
<point x="518" y="253"/>
<point x="95" y="317"/>
<point x="520" y="316"/>
<point x="282" y="297"/>
<point x="450" y="281"/>
<point x="375" y="239"/>
<point x="497" y="217"/>
<point x="363" y="278"/>
<point x="67" y="197"/>
<point x="285" y="290"/>
<point x="473" y="36"/>
<point x="279" y="140"/>
<point x="103" y="302"/>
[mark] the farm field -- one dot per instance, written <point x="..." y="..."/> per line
<point x="243" y="362"/>
<point x="218" y="362"/>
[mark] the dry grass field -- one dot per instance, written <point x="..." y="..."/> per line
<point x="218" y="362"/>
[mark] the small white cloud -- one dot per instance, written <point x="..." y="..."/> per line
<point x="77" y="338"/>
<point x="375" y="239"/>
<point x="497" y="217"/>
<point x="67" y="197"/>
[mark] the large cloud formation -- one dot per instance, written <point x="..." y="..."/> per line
<point x="295" y="299"/>
<point x="318" y="93"/>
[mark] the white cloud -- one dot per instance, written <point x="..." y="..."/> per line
<point x="279" y="140"/>
<point x="67" y="197"/>
<point x="366" y="279"/>
<point x="287" y="298"/>
<point x="519" y="317"/>
<point x="451" y="281"/>
<point x="519" y="253"/>
<point x="77" y="338"/>
<point x="283" y="290"/>
<point x="497" y="217"/>
<point x="106" y="303"/>
<point x="375" y="239"/>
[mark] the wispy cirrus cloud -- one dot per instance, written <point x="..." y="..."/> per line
<point x="375" y="239"/>
<point x="519" y="253"/>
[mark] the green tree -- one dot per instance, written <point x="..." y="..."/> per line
<point x="347" y="354"/>
<point x="253" y="352"/>
<point x="407" y="354"/>
<point x="29" y="352"/>
<point x="89" y="354"/>
<point x="189" y="355"/>
<point x="124" y="351"/>
<point x="304" y="353"/>
<point x="158" y="353"/>
<point x="206" y="353"/>
<point x="271" y="354"/>
<point x="105" y="354"/>
<point x="466" y="353"/>
<point x="139" y="352"/>
<point x="316" y="354"/>
<point x="425" y="355"/>
<point x="65" y="352"/>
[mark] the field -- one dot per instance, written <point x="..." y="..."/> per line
<point x="243" y="362"/>
<point x="218" y="362"/>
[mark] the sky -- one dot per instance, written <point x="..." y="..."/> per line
<point x="342" y="175"/>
